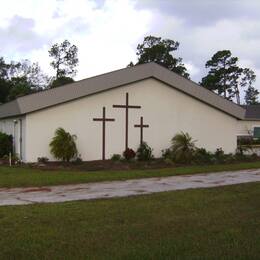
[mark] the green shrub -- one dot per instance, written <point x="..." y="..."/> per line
<point x="219" y="155"/>
<point x="5" y="158"/>
<point x="169" y="162"/>
<point x="78" y="160"/>
<point x="144" y="152"/>
<point x="254" y="157"/>
<point x="229" y="158"/>
<point x="42" y="159"/>
<point x="16" y="159"/>
<point x="167" y="154"/>
<point x="6" y="144"/>
<point x="242" y="149"/>
<point x="63" y="145"/>
<point x="247" y="140"/>
<point x="183" y="148"/>
<point x="129" y="154"/>
<point x="202" y="156"/>
<point x="116" y="157"/>
<point x="241" y="157"/>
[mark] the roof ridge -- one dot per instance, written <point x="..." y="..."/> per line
<point x="78" y="81"/>
<point x="120" y="77"/>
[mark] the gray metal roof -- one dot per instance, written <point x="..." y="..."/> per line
<point x="93" y="85"/>
<point x="252" y="112"/>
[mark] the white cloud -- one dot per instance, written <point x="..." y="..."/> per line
<point x="192" y="69"/>
<point x="198" y="43"/>
<point x="106" y="36"/>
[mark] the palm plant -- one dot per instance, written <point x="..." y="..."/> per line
<point x="63" y="145"/>
<point x="183" y="147"/>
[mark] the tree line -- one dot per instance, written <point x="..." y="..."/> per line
<point x="24" y="77"/>
<point x="225" y="77"/>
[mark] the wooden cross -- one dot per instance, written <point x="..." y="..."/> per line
<point x="103" y="119"/>
<point x="141" y="126"/>
<point x="126" y="106"/>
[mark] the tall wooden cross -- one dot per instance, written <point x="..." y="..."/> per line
<point x="141" y="126"/>
<point x="103" y="119"/>
<point x="126" y="106"/>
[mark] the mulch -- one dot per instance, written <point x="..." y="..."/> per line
<point x="100" y="165"/>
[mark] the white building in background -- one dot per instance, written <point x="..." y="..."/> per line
<point x="167" y="102"/>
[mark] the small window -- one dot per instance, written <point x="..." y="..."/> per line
<point x="257" y="132"/>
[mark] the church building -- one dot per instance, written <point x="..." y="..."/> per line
<point x="119" y="109"/>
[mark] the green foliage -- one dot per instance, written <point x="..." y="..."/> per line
<point x="219" y="155"/>
<point x="167" y="154"/>
<point x="169" y="162"/>
<point x="225" y="76"/>
<point x="6" y="144"/>
<point x="20" y="78"/>
<point x="16" y="159"/>
<point x="116" y="157"/>
<point x="251" y="96"/>
<point x="242" y="157"/>
<point x="19" y="87"/>
<point x="223" y="73"/>
<point x="144" y="152"/>
<point x="63" y="145"/>
<point x="61" y="81"/>
<point x="202" y="156"/>
<point x="247" y="140"/>
<point x="4" y="90"/>
<point x="129" y="154"/>
<point x="183" y="148"/>
<point x="78" y="160"/>
<point x="42" y="159"/>
<point x="156" y="49"/>
<point x="65" y="59"/>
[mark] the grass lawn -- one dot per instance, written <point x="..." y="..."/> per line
<point x="216" y="223"/>
<point x="25" y="177"/>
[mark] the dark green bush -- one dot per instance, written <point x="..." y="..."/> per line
<point x="219" y="155"/>
<point x="6" y="144"/>
<point x="202" y="156"/>
<point x="247" y="140"/>
<point x="78" y="160"/>
<point x="42" y="159"/>
<point x="144" y="152"/>
<point x="116" y="157"/>
<point x="254" y="156"/>
<point x="229" y="158"/>
<point x="167" y="154"/>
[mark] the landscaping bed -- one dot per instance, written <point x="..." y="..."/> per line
<point x="99" y="165"/>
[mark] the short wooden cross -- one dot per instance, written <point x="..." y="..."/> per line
<point x="126" y="106"/>
<point x="141" y="126"/>
<point x="103" y="119"/>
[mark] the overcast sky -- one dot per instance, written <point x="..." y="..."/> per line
<point x="108" y="31"/>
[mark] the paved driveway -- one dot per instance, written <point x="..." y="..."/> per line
<point x="20" y="196"/>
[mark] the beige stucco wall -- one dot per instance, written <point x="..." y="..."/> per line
<point x="165" y="109"/>
<point x="246" y="127"/>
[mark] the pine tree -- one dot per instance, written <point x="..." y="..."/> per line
<point x="251" y="97"/>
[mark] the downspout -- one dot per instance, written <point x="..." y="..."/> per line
<point x="14" y="139"/>
<point x="21" y="138"/>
